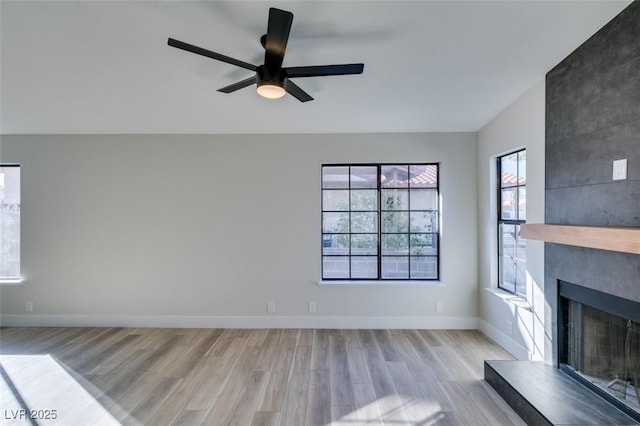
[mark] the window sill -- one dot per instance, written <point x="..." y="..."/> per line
<point x="511" y="298"/>
<point x="11" y="281"/>
<point x="367" y="283"/>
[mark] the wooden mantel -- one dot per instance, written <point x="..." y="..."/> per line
<point x="626" y="240"/>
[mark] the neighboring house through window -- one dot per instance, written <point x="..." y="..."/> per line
<point x="9" y="222"/>
<point x="380" y="222"/>
<point x="512" y="208"/>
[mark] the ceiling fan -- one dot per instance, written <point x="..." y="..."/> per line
<point x="272" y="79"/>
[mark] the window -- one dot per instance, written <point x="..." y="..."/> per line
<point x="380" y="222"/>
<point x="9" y="222"/>
<point x="512" y="208"/>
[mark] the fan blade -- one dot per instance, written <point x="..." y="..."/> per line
<point x="209" y="54"/>
<point x="278" y="30"/>
<point x="320" y="70"/>
<point x="239" y="85"/>
<point x="295" y="91"/>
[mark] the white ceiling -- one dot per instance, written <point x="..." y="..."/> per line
<point x="104" y="66"/>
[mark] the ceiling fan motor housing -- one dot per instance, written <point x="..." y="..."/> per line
<point x="266" y="76"/>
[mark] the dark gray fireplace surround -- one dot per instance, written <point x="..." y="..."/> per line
<point x="592" y="119"/>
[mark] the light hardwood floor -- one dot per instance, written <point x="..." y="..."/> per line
<point x="250" y="377"/>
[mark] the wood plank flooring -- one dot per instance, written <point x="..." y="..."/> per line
<point x="142" y="376"/>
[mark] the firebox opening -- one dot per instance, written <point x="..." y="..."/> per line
<point x="601" y="347"/>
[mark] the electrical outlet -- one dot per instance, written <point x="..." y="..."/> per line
<point x="439" y="307"/>
<point x="271" y="307"/>
<point x="312" y="307"/>
<point x="620" y="169"/>
<point x="28" y="306"/>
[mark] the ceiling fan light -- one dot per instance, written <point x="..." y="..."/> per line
<point x="270" y="90"/>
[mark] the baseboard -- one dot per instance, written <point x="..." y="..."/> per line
<point x="175" y="321"/>
<point x="518" y="351"/>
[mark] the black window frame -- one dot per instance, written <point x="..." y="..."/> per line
<point x="379" y="219"/>
<point x="517" y="221"/>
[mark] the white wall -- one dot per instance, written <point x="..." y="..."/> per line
<point x="521" y="125"/>
<point x="158" y="230"/>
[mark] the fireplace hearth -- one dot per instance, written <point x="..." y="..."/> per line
<point x="599" y="343"/>
<point x="596" y="378"/>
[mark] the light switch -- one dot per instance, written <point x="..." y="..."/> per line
<point x="620" y="169"/>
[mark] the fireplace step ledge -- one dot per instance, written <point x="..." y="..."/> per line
<point x="543" y="395"/>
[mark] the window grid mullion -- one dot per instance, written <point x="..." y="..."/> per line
<point x="379" y="188"/>
<point x="517" y="206"/>
<point x="409" y="221"/>
<point x="350" y="225"/>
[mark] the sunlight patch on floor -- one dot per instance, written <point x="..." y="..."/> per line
<point x="393" y="409"/>
<point x="37" y="385"/>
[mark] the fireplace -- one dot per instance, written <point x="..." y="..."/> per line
<point x="599" y="343"/>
